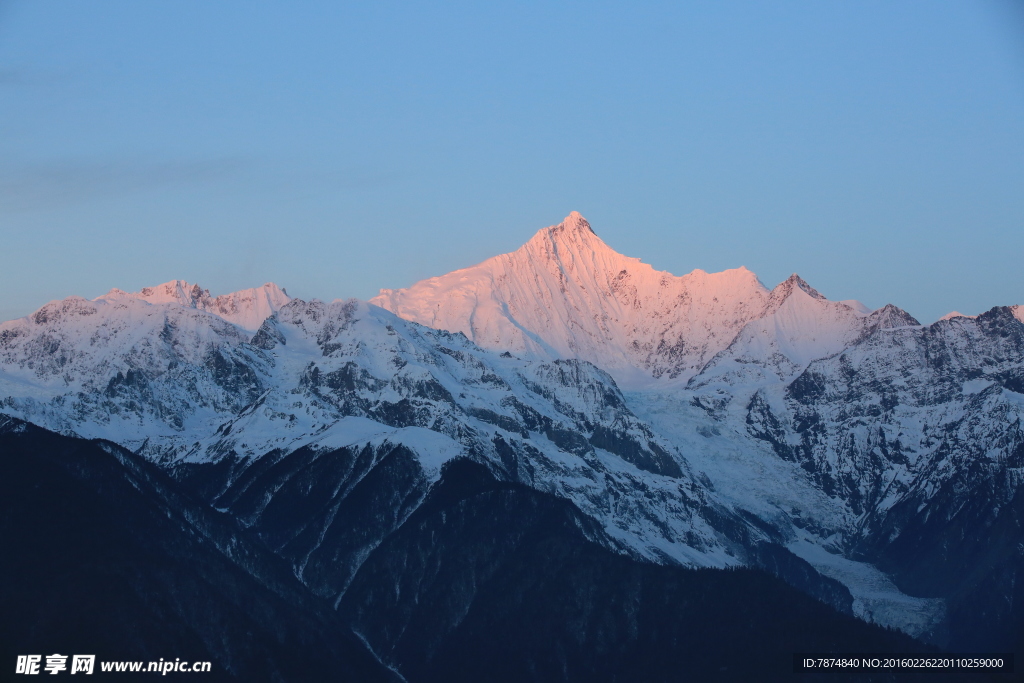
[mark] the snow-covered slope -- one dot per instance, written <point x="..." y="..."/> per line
<point x="904" y="410"/>
<point x="124" y="369"/>
<point x="182" y="385"/>
<point x="918" y="431"/>
<point x="798" y="325"/>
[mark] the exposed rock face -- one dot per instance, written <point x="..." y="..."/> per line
<point x="918" y="429"/>
<point x="125" y="368"/>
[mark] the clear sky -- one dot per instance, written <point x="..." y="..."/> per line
<point x="874" y="147"/>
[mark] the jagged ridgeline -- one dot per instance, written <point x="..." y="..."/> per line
<point x="514" y="459"/>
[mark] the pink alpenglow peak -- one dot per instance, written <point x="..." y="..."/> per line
<point x="247" y="308"/>
<point x="956" y="314"/>
<point x="567" y="294"/>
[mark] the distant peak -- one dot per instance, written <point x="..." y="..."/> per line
<point x="247" y="308"/>
<point x="272" y="289"/>
<point x="572" y="226"/>
<point x="573" y="234"/>
<point x="183" y="292"/>
<point x="890" y="316"/>
<point x="956" y="314"/>
<point x="786" y="287"/>
<point x="174" y="291"/>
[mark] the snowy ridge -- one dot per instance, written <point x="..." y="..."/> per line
<point x="77" y="362"/>
<point x="247" y="308"/>
<point x="798" y="326"/>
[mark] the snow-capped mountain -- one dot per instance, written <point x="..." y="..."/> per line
<point x="566" y="294"/>
<point x="834" y="445"/>
<point x="718" y="364"/>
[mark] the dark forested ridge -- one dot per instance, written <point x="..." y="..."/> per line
<point x="490" y="580"/>
<point x="107" y="556"/>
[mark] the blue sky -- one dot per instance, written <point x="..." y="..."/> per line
<point x="877" y="148"/>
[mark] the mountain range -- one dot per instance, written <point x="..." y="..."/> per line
<point x="408" y="464"/>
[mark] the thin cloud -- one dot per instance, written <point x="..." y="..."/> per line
<point x="9" y="77"/>
<point x="60" y="183"/>
<point x="27" y="76"/>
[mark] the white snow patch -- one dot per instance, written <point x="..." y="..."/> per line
<point x="857" y="306"/>
<point x="976" y="386"/>
<point x="875" y="597"/>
